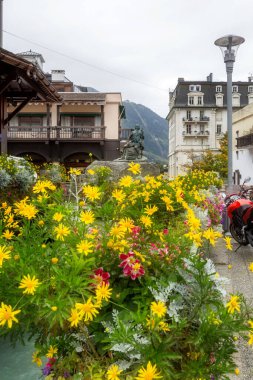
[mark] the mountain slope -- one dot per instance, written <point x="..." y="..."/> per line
<point x="155" y="130"/>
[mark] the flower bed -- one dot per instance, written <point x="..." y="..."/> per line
<point x="116" y="285"/>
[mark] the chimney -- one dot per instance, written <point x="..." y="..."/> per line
<point x="180" y="80"/>
<point x="209" y="78"/>
<point x="58" y="75"/>
<point x="250" y="79"/>
<point x="170" y="94"/>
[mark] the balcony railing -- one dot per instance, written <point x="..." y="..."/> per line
<point x="245" y="140"/>
<point x="196" y="134"/>
<point x="203" y="119"/>
<point x="56" y="133"/>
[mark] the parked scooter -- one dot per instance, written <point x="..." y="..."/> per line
<point x="240" y="213"/>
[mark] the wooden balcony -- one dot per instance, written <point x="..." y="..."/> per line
<point x="246" y="140"/>
<point x="59" y="133"/>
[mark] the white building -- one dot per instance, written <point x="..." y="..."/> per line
<point x="243" y="144"/>
<point x="198" y="118"/>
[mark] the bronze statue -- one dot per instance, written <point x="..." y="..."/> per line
<point x="133" y="149"/>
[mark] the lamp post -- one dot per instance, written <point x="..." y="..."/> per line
<point x="229" y="45"/>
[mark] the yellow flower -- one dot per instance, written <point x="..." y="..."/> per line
<point x="113" y="372"/>
<point x="228" y="243"/>
<point x="126" y="224"/>
<point x="74" y="171"/>
<point x="87" y="310"/>
<point x="58" y="216"/>
<point x="126" y="181"/>
<point x="250" y="341"/>
<point x="149" y="210"/>
<point x="229" y="266"/>
<point x="75" y="317"/>
<point x="168" y="203"/>
<point x="85" y="247"/>
<point x="87" y="217"/>
<point x="8" y="235"/>
<point x="51" y="351"/>
<point x="4" y="254"/>
<point x="103" y="292"/>
<point x="54" y="260"/>
<point x="164" y="326"/>
<point x="250" y="322"/>
<point x="91" y="171"/>
<point x="61" y="231"/>
<point x="134" y="168"/>
<point x="92" y="192"/>
<point x="148" y="373"/>
<point x="41" y="222"/>
<point x="233" y="304"/>
<point x="211" y="235"/>
<point x="119" y="195"/>
<point x="158" y="308"/>
<point x="54" y="308"/>
<point x="146" y="220"/>
<point x="7" y="315"/>
<point x="251" y="267"/>
<point x="29" y="284"/>
<point x="36" y="359"/>
<point x="237" y="371"/>
<point x="117" y="232"/>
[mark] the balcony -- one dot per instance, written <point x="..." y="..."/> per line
<point x="39" y="133"/>
<point x="246" y="140"/>
<point x="190" y="120"/>
<point x="195" y="134"/>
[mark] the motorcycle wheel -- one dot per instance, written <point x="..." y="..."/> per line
<point x="237" y="235"/>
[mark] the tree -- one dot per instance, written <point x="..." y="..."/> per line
<point x="210" y="161"/>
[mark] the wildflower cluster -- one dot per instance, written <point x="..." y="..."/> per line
<point x="111" y="287"/>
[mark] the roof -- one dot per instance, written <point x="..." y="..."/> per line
<point x="32" y="54"/>
<point x="92" y="98"/>
<point x="209" y="89"/>
<point x="21" y="78"/>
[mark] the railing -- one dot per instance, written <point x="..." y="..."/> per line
<point x="203" y="119"/>
<point x="196" y="134"/>
<point x="245" y="140"/>
<point x="56" y="133"/>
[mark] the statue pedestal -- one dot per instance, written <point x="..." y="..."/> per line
<point x="120" y="168"/>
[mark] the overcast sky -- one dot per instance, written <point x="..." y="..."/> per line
<point x="136" y="47"/>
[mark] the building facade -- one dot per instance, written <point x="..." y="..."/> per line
<point x="198" y="118"/>
<point x="243" y="145"/>
<point x="85" y="123"/>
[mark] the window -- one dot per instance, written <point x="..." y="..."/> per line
<point x="218" y="88"/>
<point x="195" y="87"/>
<point x="235" y="88"/>
<point x="202" y="129"/>
<point x="191" y="100"/>
<point x="218" y="129"/>
<point x="189" y="115"/>
<point x="201" y="115"/>
<point x="198" y="88"/>
<point x="30" y="121"/>
<point x="250" y="89"/>
<point x="188" y="129"/>
<point x="191" y="87"/>
<point x="236" y="100"/>
<point x="200" y="100"/>
<point x="219" y="100"/>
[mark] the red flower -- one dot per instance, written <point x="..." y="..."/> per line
<point x="127" y="259"/>
<point x="101" y="277"/>
<point x="131" y="266"/>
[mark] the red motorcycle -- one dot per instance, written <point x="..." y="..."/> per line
<point x="239" y="208"/>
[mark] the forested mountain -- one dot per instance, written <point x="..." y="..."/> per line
<point x="155" y="130"/>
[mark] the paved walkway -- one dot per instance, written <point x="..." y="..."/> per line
<point x="241" y="280"/>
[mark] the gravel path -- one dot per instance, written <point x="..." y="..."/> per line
<point x="241" y="280"/>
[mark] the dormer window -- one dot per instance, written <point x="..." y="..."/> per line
<point x="218" y="88"/>
<point x="250" y="89"/>
<point x="191" y="100"/>
<point x="235" y="89"/>
<point x="195" y="87"/>
<point x="236" y="100"/>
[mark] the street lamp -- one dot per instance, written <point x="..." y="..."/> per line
<point x="229" y="45"/>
